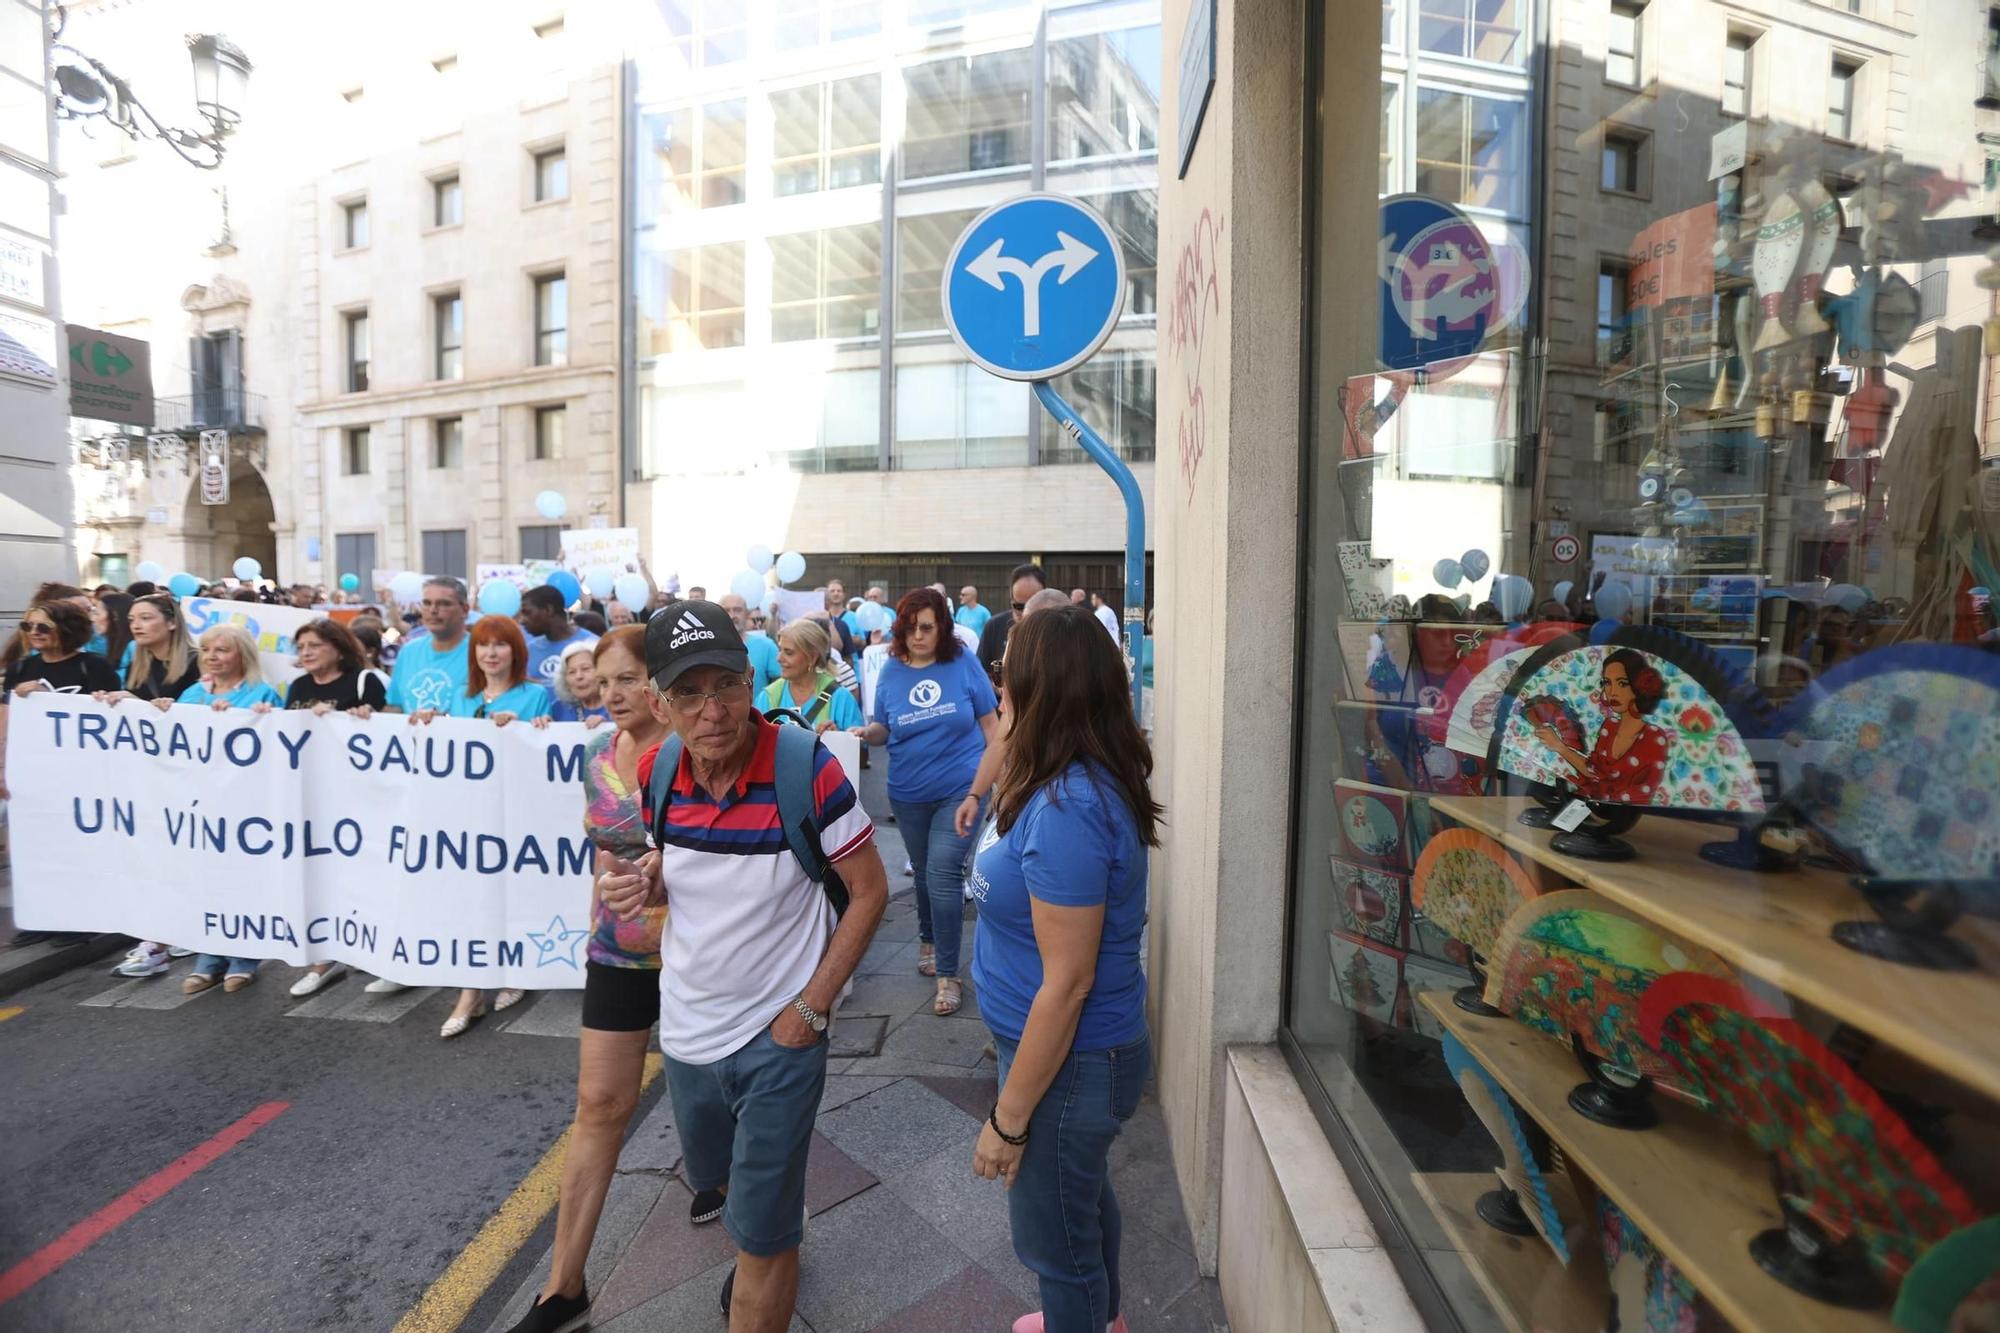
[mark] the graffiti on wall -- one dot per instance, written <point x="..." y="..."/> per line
<point x="1195" y="303"/>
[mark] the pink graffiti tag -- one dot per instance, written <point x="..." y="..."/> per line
<point x="1195" y="300"/>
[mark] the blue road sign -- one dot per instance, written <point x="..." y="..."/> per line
<point x="1034" y="286"/>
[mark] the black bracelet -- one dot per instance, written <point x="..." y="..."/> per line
<point x="1011" y="1140"/>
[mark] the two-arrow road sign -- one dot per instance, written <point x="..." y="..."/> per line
<point x="1034" y="286"/>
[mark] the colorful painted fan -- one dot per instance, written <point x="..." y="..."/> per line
<point x="1648" y="1293"/>
<point x="1861" y="1197"/>
<point x="1573" y="964"/>
<point x="1665" y="736"/>
<point x="1529" y="1201"/>
<point x="1955" y="1287"/>
<point x="1468" y="885"/>
<point x="1472" y="692"/>
<point x="1907" y="782"/>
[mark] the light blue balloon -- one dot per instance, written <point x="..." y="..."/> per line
<point x="1847" y="597"/>
<point x="407" y="587"/>
<point x="1447" y="572"/>
<point x="565" y="583"/>
<point x="1562" y="591"/>
<point x="874" y="617"/>
<point x="791" y="567"/>
<point x="499" y="597"/>
<point x="631" y="591"/>
<point x="247" y="569"/>
<point x="1475" y="564"/>
<point x="551" y="505"/>
<point x="759" y="558"/>
<point x="749" y="586"/>
<point x="152" y="571"/>
<point x="1613" y="600"/>
<point x="184" y="584"/>
<point x="1512" y="594"/>
<point x="1601" y="632"/>
<point x="600" y="581"/>
<point x="350" y="582"/>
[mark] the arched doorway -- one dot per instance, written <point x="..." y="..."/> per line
<point x="217" y="535"/>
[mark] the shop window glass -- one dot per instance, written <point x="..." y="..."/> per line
<point x="1471" y="150"/>
<point x="1485" y="30"/>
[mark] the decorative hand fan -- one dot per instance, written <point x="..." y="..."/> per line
<point x="1468" y="885"/>
<point x="1464" y="718"/>
<point x="1908" y="783"/>
<point x="1528" y="1201"/>
<point x="1573" y="965"/>
<point x="1648" y="1293"/>
<point x="1370" y="902"/>
<point x="1955" y="1287"/>
<point x="1861" y="1198"/>
<point x="1666" y="736"/>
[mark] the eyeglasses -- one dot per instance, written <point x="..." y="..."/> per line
<point x="921" y="628"/>
<point x="37" y="627"/>
<point x="1020" y="606"/>
<point x="690" y="703"/>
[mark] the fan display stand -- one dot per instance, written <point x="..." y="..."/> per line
<point x="1612" y="1096"/>
<point x="1469" y="998"/>
<point x="1802" y="1256"/>
<point x="1500" y="1208"/>
<point x="1746" y="851"/>
<point x="1915" y="914"/>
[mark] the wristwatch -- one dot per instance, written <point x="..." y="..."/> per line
<point x="814" y="1019"/>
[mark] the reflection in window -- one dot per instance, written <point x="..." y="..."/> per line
<point x="693" y="158"/>
<point x="1621" y="46"/>
<point x="826" y="284"/>
<point x="804" y="24"/>
<point x="953" y="414"/>
<point x="1738" y="64"/>
<point x="1620" y="168"/>
<point x="707" y="33"/>
<point x="1104" y="94"/>
<point x="969" y="113"/>
<point x="1392" y="24"/>
<point x="1470" y="150"/>
<point x="928" y="13"/>
<point x="1612" y="306"/>
<point x="922" y="246"/>
<point x="691" y="299"/>
<point x="1116" y="392"/>
<point x="1388" y="178"/>
<point x="1134" y="218"/>
<point x="1483" y="30"/>
<point x="827" y="136"/>
<point x="1840" y="82"/>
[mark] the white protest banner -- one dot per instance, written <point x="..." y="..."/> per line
<point x="796" y="605"/>
<point x="444" y="855"/>
<point x="873" y="658"/>
<point x="585" y="549"/>
<point x="514" y="574"/>
<point x="271" y="626"/>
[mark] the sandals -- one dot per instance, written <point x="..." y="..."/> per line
<point x="926" y="960"/>
<point x="950" y="994"/>
<point x="458" y="1023"/>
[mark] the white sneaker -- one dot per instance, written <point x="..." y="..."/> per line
<point x="142" y="962"/>
<point x="312" y="981"/>
<point x="175" y="951"/>
<point x="384" y="986"/>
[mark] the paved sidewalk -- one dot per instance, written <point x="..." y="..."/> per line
<point x="902" y="1235"/>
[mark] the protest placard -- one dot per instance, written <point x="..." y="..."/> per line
<point x="271" y="626"/>
<point x="616" y="549"/>
<point x="514" y="574"/>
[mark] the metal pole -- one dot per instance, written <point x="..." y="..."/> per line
<point x="1135" y="528"/>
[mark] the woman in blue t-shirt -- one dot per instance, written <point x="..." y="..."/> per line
<point x="937" y="712"/>
<point x="1061" y="882"/>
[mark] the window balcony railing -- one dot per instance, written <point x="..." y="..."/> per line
<point x="224" y="407"/>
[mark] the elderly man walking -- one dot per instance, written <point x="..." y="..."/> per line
<point x="755" y="953"/>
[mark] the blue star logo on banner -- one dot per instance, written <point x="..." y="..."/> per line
<point x="557" y="943"/>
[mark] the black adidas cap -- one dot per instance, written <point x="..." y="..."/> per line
<point x="685" y="635"/>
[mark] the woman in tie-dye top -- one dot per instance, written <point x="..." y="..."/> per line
<point x="621" y="988"/>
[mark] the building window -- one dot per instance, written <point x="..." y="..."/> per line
<point x="1624" y="162"/>
<point x="542" y="541"/>
<point x="692" y="299"/>
<point x="697" y="157"/>
<point x="804" y="24"/>
<point x="1389" y="176"/>
<point x="1490" y="31"/>
<point x="354" y="343"/>
<point x="826" y="284"/>
<point x="448" y="442"/>
<point x="923" y="243"/>
<point x="354" y="452"/>
<point x="1739" y="59"/>
<point x="448" y="320"/>
<point x="1621" y="47"/>
<point x="968" y="113"/>
<point x="1104" y="95"/>
<point x="827" y="136"/>
<point x="1840" y="85"/>
<point x="550" y="29"/>
<point x="1933" y="289"/>
<point x="1613" y="304"/>
<point x="552" y="320"/>
<point x="444" y="553"/>
<point x="447" y="201"/>
<point x="550" y="425"/>
<point x="1471" y="150"/>
<point x="354" y="224"/>
<point x="354" y="553"/>
<point x="551" y="175"/>
<point x="707" y="33"/>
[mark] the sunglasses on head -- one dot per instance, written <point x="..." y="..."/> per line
<point x="37" y="627"/>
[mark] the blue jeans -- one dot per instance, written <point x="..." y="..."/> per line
<point x="1061" y="1210"/>
<point x="938" y="855"/>
<point x="215" y="964"/>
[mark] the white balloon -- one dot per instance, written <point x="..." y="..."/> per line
<point x="749" y="586"/>
<point x="631" y="591"/>
<point x="759" y="559"/>
<point x="551" y="505"/>
<point x="600" y="580"/>
<point x="407" y="587"/>
<point x="791" y="567"/>
<point x="1613" y="600"/>
<point x="152" y="571"/>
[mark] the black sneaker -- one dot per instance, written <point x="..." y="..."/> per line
<point x="557" y="1314"/>
<point x="707" y="1206"/>
<point x="728" y="1288"/>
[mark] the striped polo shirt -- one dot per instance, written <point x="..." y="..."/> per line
<point x="746" y="929"/>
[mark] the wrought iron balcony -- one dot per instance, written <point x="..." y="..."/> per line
<point x="225" y="407"/>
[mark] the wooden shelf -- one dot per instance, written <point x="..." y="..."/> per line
<point x="1699" y="1190"/>
<point x="1529" y="1288"/>
<point x="1778" y="927"/>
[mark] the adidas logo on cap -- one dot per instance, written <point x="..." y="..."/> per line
<point x="689" y="629"/>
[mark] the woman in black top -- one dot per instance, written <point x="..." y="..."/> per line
<point x="55" y="633"/>
<point x="164" y="662"/>
<point x="336" y="676"/>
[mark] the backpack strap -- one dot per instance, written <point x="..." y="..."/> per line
<point x="797" y="750"/>
<point x="660" y="784"/>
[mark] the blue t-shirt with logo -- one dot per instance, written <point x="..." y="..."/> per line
<point x="763" y="660"/>
<point x="426" y="678"/>
<point x="246" y="695"/>
<point x="932" y="714"/>
<point x="545" y="655"/>
<point x="526" y="701"/>
<point x="973" y="618"/>
<point x="1075" y="844"/>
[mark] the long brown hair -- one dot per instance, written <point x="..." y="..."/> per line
<point x="1068" y="702"/>
<point x="914" y="604"/>
<point x="180" y="648"/>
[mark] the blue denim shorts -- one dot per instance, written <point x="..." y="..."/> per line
<point x="746" y="1122"/>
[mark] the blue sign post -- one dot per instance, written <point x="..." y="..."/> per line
<point x="1031" y="291"/>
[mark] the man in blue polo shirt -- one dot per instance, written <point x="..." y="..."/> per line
<point x="430" y="671"/>
<point x="970" y="613"/>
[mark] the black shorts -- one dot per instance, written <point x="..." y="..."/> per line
<point x="620" y="999"/>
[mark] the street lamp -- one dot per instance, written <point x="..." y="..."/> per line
<point x="85" y="87"/>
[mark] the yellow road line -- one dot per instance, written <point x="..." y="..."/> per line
<point x="12" y="1012"/>
<point x="451" y="1298"/>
